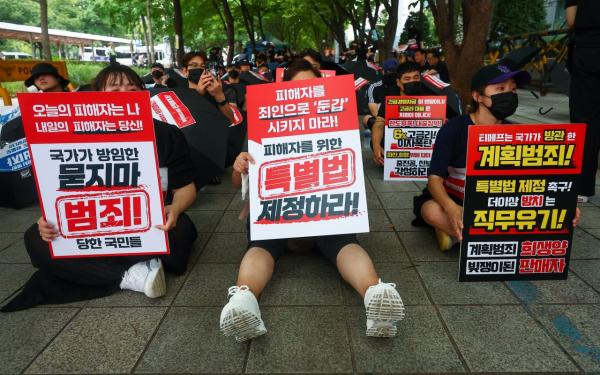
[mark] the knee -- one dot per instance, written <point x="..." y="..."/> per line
<point x="38" y="249"/>
<point x="431" y="212"/>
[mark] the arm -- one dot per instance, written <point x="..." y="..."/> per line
<point x="209" y="84"/>
<point x="241" y="165"/>
<point x="570" y="14"/>
<point x="377" y="132"/>
<point x="374" y="108"/>
<point x="182" y="199"/>
<point x="435" y="184"/>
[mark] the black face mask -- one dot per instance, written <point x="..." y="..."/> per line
<point x="413" y="88"/>
<point x="194" y="75"/>
<point x="504" y="105"/>
<point x="157" y="74"/>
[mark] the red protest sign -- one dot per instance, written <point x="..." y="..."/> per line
<point x="96" y="168"/>
<point x="308" y="178"/>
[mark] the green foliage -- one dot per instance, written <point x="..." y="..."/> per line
<point x="514" y="17"/>
<point x="428" y="34"/>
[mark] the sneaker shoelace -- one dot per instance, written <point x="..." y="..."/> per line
<point x="234" y="289"/>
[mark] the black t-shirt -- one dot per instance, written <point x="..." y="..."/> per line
<point x="587" y="23"/>
<point x="174" y="154"/>
<point x="442" y="69"/>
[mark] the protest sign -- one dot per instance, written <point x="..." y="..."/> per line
<point x="308" y="178"/>
<point x="520" y="200"/>
<point x="324" y="73"/>
<point x="96" y="168"/>
<point x="14" y="155"/>
<point x="411" y="125"/>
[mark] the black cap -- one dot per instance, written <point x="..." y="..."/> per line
<point x="157" y="65"/>
<point x="496" y="73"/>
<point x="45" y="68"/>
<point x="243" y="62"/>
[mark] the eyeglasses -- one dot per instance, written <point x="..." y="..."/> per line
<point x="194" y="66"/>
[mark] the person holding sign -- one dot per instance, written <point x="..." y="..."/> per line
<point x="62" y="280"/>
<point x="241" y="316"/>
<point x="494" y="99"/>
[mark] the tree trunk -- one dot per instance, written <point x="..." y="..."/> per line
<point x="389" y="31"/>
<point x="46" y="53"/>
<point x="178" y="25"/>
<point x="151" y="56"/>
<point x="249" y="23"/>
<point x="146" y="39"/>
<point x="259" y="16"/>
<point x="465" y="59"/>
<point x="230" y="26"/>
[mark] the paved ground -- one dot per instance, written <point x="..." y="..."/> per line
<point x="316" y="323"/>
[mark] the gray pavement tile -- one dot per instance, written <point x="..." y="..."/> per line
<point x="402" y="221"/>
<point x="586" y="245"/>
<point x="302" y="340"/>
<point x="224" y="187"/>
<point x="577" y="329"/>
<point x="588" y="271"/>
<point x="383" y="246"/>
<point x="7" y="239"/>
<point x="198" y="247"/>
<point x="237" y="203"/>
<point x="211" y="202"/>
<point x="230" y="223"/>
<point x="205" y="221"/>
<point x="503" y="339"/>
<point x="421" y="345"/>
<point x="401" y="200"/>
<point x="18" y="221"/>
<point x="207" y="285"/>
<point x="403" y="275"/>
<point x="189" y="341"/>
<point x="12" y="277"/>
<point x="303" y="279"/>
<point x="378" y="221"/>
<point x="572" y="291"/>
<point x="134" y="299"/>
<point x="423" y="247"/>
<point x="381" y="186"/>
<point x="100" y="340"/>
<point x="368" y="186"/>
<point x="373" y="202"/>
<point x="24" y="334"/>
<point x="225" y="248"/>
<point x="590" y="217"/>
<point x="441" y="280"/>
<point x="15" y="253"/>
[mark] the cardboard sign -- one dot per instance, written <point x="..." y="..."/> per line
<point x="324" y="73"/>
<point x="20" y="70"/>
<point x="96" y="169"/>
<point x="411" y="126"/>
<point x="308" y="178"/>
<point x="14" y="156"/>
<point x="520" y="200"/>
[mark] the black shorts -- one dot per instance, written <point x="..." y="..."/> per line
<point x="420" y="200"/>
<point x="329" y="246"/>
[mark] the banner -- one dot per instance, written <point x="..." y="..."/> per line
<point x="324" y="73"/>
<point x="96" y="169"/>
<point x="308" y="178"/>
<point x="20" y="70"/>
<point x="14" y="156"/>
<point x="520" y="200"/>
<point x="411" y="125"/>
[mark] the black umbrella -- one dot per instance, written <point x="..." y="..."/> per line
<point x="363" y="69"/>
<point x="203" y="125"/>
<point x="518" y="58"/>
<point x="438" y="87"/>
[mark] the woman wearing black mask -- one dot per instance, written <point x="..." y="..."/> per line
<point x="494" y="98"/>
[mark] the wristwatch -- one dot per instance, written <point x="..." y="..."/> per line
<point x="222" y="103"/>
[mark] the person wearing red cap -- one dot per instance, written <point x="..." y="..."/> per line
<point x="494" y="99"/>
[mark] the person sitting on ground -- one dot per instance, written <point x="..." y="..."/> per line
<point x="494" y="99"/>
<point x="408" y="80"/>
<point x="437" y="66"/>
<point x="158" y="77"/>
<point x="45" y="77"/>
<point x="68" y="280"/>
<point x="241" y="316"/>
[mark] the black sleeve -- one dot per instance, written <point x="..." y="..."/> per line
<point x="174" y="154"/>
<point x="442" y="151"/>
<point x="570" y="3"/>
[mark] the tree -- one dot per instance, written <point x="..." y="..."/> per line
<point x="178" y="24"/>
<point x="428" y="36"/>
<point x="464" y="56"/>
<point x="515" y="17"/>
<point x="46" y="54"/>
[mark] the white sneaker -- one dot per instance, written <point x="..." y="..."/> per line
<point x="384" y="310"/>
<point x="582" y="199"/>
<point x="147" y="277"/>
<point x="241" y="315"/>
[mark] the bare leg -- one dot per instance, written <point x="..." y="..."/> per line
<point x="434" y="215"/>
<point x="356" y="267"/>
<point x="256" y="270"/>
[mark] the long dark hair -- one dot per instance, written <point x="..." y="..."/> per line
<point x="116" y="72"/>
<point x="297" y="66"/>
